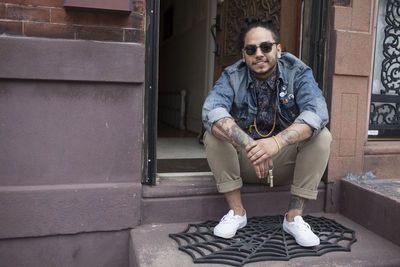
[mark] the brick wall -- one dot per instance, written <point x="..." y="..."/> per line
<point x="48" y="18"/>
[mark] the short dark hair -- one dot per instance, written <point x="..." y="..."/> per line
<point x="254" y="22"/>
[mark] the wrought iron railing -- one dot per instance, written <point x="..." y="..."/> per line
<point x="385" y="100"/>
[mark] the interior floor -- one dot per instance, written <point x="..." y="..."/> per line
<point x="173" y="143"/>
<point x="179" y="148"/>
<point x="165" y="131"/>
<point x="179" y="151"/>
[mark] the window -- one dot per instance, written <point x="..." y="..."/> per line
<point x="384" y="119"/>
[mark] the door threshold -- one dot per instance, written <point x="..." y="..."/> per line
<point x="184" y="177"/>
<point x="183" y="165"/>
<point x="179" y="174"/>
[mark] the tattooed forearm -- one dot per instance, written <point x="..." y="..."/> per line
<point x="221" y="136"/>
<point x="294" y="133"/>
<point x="226" y="129"/>
<point x="240" y="137"/>
<point x="297" y="203"/>
<point x="289" y="137"/>
<point x="220" y="131"/>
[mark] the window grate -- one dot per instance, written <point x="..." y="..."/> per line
<point x="385" y="101"/>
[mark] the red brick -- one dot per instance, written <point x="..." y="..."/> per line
<point x="134" y="36"/>
<point x="139" y="6"/>
<point x="11" y="27"/>
<point x="103" y="5"/>
<point x="84" y="17"/>
<point x="48" y="3"/>
<point x="2" y="10"/>
<point x="14" y="12"/>
<point x="99" y="33"/>
<point x="49" y="30"/>
<point x="136" y="21"/>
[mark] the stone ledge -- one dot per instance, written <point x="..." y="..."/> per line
<point x="71" y="60"/>
<point x="78" y="250"/>
<point x="203" y="184"/>
<point x="382" y="147"/>
<point x="181" y="199"/>
<point x="30" y="211"/>
<point x="371" y="208"/>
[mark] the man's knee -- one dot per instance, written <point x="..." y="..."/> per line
<point x="323" y="140"/>
<point x="213" y="142"/>
<point x="216" y="148"/>
<point x="209" y="139"/>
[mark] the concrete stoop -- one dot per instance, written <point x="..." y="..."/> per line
<point x="194" y="197"/>
<point x="150" y="246"/>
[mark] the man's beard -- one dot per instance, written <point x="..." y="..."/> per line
<point x="262" y="73"/>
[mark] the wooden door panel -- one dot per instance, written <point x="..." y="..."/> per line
<point x="233" y="14"/>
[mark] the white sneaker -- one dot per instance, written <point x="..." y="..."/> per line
<point x="301" y="231"/>
<point x="229" y="224"/>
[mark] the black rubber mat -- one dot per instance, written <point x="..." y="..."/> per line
<point x="263" y="239"/>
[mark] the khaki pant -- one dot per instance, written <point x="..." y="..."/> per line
<point x="301" y="165"/>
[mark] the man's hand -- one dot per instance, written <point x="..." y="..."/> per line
<point x="262" y="170"/>
<point x="262" y="150"/>
<point x="227" y="130"/>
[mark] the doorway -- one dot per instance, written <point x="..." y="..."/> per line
<point x="197" y="40"/>
<point x="185" y="76"/>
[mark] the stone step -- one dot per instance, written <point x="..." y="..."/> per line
<point x="150" y="246"/>
<point x="184" y="197"/>
<point x="373" y="203"/>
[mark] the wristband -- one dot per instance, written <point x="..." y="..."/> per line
<point x="277" y="143"/>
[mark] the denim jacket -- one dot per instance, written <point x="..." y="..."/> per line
<point x="299" y="100"/>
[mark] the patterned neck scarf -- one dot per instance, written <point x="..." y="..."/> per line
<point x="266" y="101"/>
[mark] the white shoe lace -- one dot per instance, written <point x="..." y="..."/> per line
<point x="228" y="219"/>
<point x="303" y="226"/>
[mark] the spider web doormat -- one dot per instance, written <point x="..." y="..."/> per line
<point x="263" y="239"/>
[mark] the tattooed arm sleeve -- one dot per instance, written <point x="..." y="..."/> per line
<point x="294" y="133"/>
<point x="226" y="129"/>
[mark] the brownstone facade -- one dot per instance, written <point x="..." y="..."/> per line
<point x="71" y="128"/>
<point x="47" y="18"/>
<point x="71" y="113"/>
<point x="350" y="65"/>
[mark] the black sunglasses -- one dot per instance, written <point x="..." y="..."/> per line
<point x="266" y="47"/>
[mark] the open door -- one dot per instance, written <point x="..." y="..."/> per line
<point x="187" y="51"/>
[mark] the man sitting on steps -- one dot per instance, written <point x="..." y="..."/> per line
<point x="266" y="111"/>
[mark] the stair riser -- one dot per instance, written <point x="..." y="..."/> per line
<point x="79" y="250"/>
<point x="213" y="207"/>
<point x="375" y="212"/>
